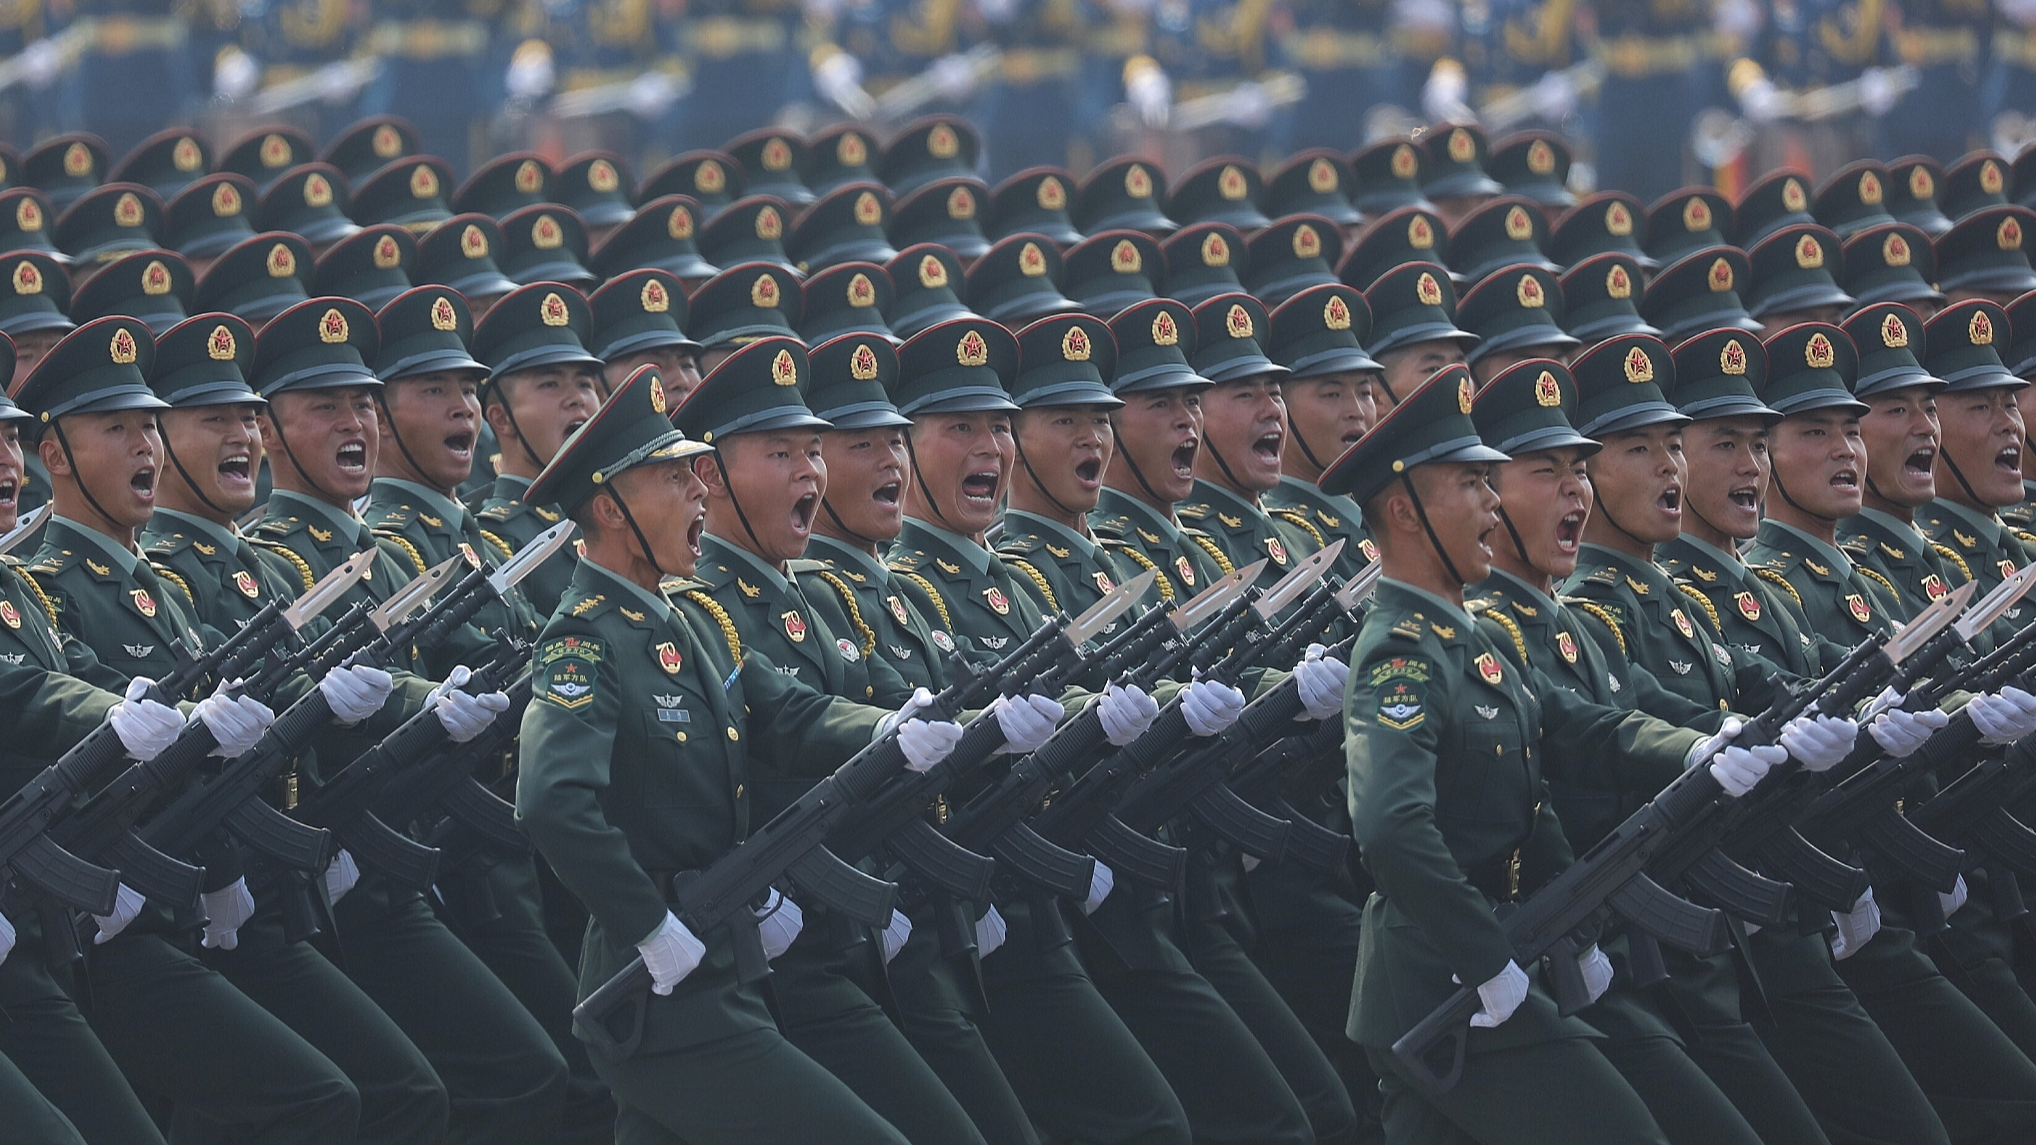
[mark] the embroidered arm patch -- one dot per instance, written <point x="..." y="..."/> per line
<point x="565" y="671"/>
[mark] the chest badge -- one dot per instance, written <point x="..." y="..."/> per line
<point x="1277" y="550"/>
<point x="943" y="641"/>
<point x="9" y="615"/>
<point x="999" y="603"/>
<point x="795" y="626"/>
<point x="1370" y="551"/>
<point x="1749" y="605"/>
<point x="1856" y="605"/>
<point x="849" y="651"/>
<point x="143" y="602"/>
<point x="1566" y="645"/>
<point x="1186" y="570"/>
<point x="1935" y="588"/>
<point x="245" y="582"/>
<point x="898" y="611"/>
<point x="669" y="659"/>
<point x="1682" y="623"/>
<point x="1487" y="713"/>
<point x="1488" y="668"/>
<point x="2007" y="567"/>
<point x="1102" y="580"/>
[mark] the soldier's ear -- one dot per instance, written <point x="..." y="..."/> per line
<point x="707" y="467"/>
<point x="495" y="411"/>
<point x="53" y="456"/>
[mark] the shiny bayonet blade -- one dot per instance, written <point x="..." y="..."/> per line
<point x="26" y="528"/>
<point x="1297" y="583"/>
<point x="527" y="558"/>
<point x="1216" y="597"/>
<point x="1105" y="612"/>
<point x="329" y="588"/>
<point x="1995" y="604"/>
<point x="1358" y="589"/>
<point x="410" y="596"/>
<point x="1928" y="623"/>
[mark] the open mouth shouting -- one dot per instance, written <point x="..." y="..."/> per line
<point x="1184" y="457"/>
<point x="1267" y="447"/>
<point x="1569" y="532"/>
<point x="352" y="458"/>
<point x="236" y="470"/>
<point x="887" y="495"/>
<point x="460" y="446"/>
<point x="1846" y="480"/>
<point x="2009" y="461"/>
<point x="143" y="484"/>
<point x="696" y="527"/>
<point x="979" y="489"/>
<point x="10" y="492"/>
<point x="1916" y="467"/>
<point x="1670" y="503"/>
<point x="1089" y="473"/>
<point x="802" y="513"/>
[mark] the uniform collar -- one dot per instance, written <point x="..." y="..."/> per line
<point x="1163" y="524"/>
<point x="1830" y="554"/>
<point x="1618" y="560"/>
<point x="344" y="520"/>
<point x="1038" y="524"/>
<point x="1987" y="526"/>
<point x="725" y="549"/>
<point x="654" y="600"/>
<point x="446" y="507"/>
<point x="122" y="558"/>
<point x="1730" y="563"/>
<point x="1449" y="608"/>
<point x="1904" y="529"/>
<point x="1311" y="493"/>
<point x="840" y="551"/>
<point x="1213" y="493"/>
<point x="228" y="538"/>
<point x="964" y="549"/>
<point x="1513" y="586"/>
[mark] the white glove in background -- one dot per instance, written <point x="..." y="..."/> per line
<point x="1818" y="742"/>
<point x="1320" y="684"/>
<point x="2003" y="717"/>
<point x="1101" y="882"/>
<point x="237" y="722"/>
<point x="990" y="932"/>
<point x="355" y="692"/>
<point x="465" y="716"/>
<point x="6" y="937"/>
<point x="1026" y="721"/>
<point x="1951" y="902"/>
<point x="127" y="903"/>
<point x="670" y="953"/>
<point x="1900" y="733"/>
<point x="340" y="876"/>
<point x="227" y="910"/>
<point x="1501" y="995"/>
<point x="779" y="922"/>
<point x="896" y="935"/>
<point x="1597" y="971"/>
<point x="1856" y="927"/>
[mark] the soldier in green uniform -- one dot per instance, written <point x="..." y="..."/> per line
<point x="1982" y="436"/>
<point x="175" y="1027"/>
<point x="428" y="413"/>
<point x="212" y="446"/>
<point x="617" y="789"/>
<point x="505" y="1078"/>
<point x="639" y="320"/>
<point x="1079" y="1071"/>
<point x="1450" y="807"/>
<point x="542" y="384"/>
<point x="1331" y="397"/>
<point x="1413" y="330"/>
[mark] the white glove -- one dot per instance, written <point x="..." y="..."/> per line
<point x="464" y="716"/>
<point x="235" y="74"/>
<point x="355" y="692"/>
<point x="1737" y="769"/>
<point x="779" y="922"/>
<point x="1209" y="707"/>
<point x="1100" y="885"/>
<point x="6" y="937"/>
<point x="1150" y="93"/>
<point x="1443" y="93"/>
<point x="237" y="722"/>
<point x="2003" y="717"/>
<point x="144" y="726"/>
<point x="920" y="700"/>
<point x="1856" y="926"/>
<point x="1501" y="996"/>
<point x="1026" y="720"/>
<point x="1877" y="91"/>
<point x="1320" y="683"/>
<point x="670" y="953"/>
<point x="1597" y="971"/>
<point x="1761" y="100"/>
<point x="1955" y="899"/>
<point x="227" y="910"/>
<point x="896" y="935"/>
<point x="531" y="72"/>
<point x="650" y="94"/>
<point x="838" y="79"/>
<point x="127" y="903"/>
<point x="926" y="744"/>
<point x="42" y="63"/>
<point x="1248" y="106"/>
<point x="1818" y="742"/>
<point x="340" y="876"/>
<point x="1555" y="96"/>
<point x="1125" y="713"/>
<point x="1899" y="733"/>
<point x="990" y="932"/>
<point x="954" y="77"/>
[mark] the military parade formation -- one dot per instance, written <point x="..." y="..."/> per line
<point x="811" y="644"/>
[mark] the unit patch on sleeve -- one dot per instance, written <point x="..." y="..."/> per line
<point x="565" y="671"/>
<point x="1401" y="684"/>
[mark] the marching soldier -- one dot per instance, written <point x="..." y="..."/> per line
<point x="638" y="320"/>
<point x="1413" y="329"/>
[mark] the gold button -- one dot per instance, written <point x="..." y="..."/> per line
<point x="738" y="790"/>
<point x="733" y="734"/>
<point x="682" y="737"/>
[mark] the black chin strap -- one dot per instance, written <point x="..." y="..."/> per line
<point x="290" y="453"/>
<point x="1518" y="545"/>
<point x="1434" y="542"/>
<point x="919" y="476"/>
<point x="1691" y="507"/>
<point x="1605" y="511"/>
<point x="78" y="475"/>
<point x="1138" y="474"/>
<point x="835" y="517"/>
<point x="1301" y="439"/>
<point x="1784" y="491"/>
<point x="649" y="554"/>
<point x="522" y="442"/>
<point x="741" y="516"/>
<point x="389" y="418"/>
<point x="225" y="516"/>
<point x="1225" y="466"/>
<point x="1036" y="482"/>
<point x="1960" y="474"/>
<point x="1387" y="386"/>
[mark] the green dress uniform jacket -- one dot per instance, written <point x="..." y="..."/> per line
<point x="1062" y="569"/>
<point x="1743" y="602"/>
<point x="1246" y="532"/>
<point x="1187" y="559"/>
<point x="1988" y="548"/>
<point x="973" y="592"/>
<point x="1329" y="516"/>
<point x="131" y="612"/>
<point x="1652" y="623"/>
<point x="429" y="527"/>
<point x="911" y="647"/>
<point x="1838" y="598"/>
<point x="1921" y="570"/>
<point x="315" y="538"/>
<point x="199" y="553"/>
<point x="508" y="523"/>
<point x="636" y="755"/>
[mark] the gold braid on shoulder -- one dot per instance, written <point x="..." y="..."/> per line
<point x="1604" y="617"/>
<point x="1710" y="610"/>
<point x="869" y="638"/>
<point x="48" y="606"/>
<point x="1951" y="554"/>
<point x="1300" y="520"/>
<point x="1893" y="592"/>
<point x="1038" y="578"/>
<point x="289" y="554"/>
<point x="721" y="618"/>
<point x="499" y="543"/>
<point x="1210" y="547"/>
<point x="403" y="543"/>
<point x="1774" y="576"/>
<point x="169" y="574"/>
<point x="932" y="594"/>
<point x="1498" y="616"/>
<point x="1166" y="588"/>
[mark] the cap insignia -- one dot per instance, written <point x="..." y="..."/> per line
<point x="972" y="350"/>
<point x="1322" y="176"/>
<point x="388" y="256"/>
<point x="763" y="293"/>
<point x="1238" y="322"/>
<point x="1809" y="253"/>
<point x="1138" y="182"/>
<point x="1639" y="367"/>
<point x="1990" y="179"/>
<point x="862" y="365"/>
<point x="1541" y="157"/>
<point x="1895" y="250"/>
<point x="1427" y="290"/>
<point x="28" y="216"/>
<point x="1696" y="214"/>
<point x="777" y="155"/>
<point x="1074" y="345"/>
<point x="1732" y="359"/>
<point x="423" y="182"/>
<point x="1307" y="243"/>
<point x="1792" y="195"/>
<point x="1230" y="183"/>
<point x="27" y="279"/>
<point x="868" y="211"/>
<point x="387" y="143"/>
<point x="77" y="161"/>
<point x="225" y="201"/>
<point x="1215" y="252"/>
<point x="332" y="328"/>
<point x="784" y="372"/>
<point x="1335" y="313"/>
<point x="1532" y="297"/>
<point x="1618" y="284"/>
<point x="769" y="225"/>
<point x="282" y="261"/>
<point x="656" y="395"/>
<point x="155" y="279"/>
<point x="1547" y="394"/>
<point x="679" y="224"/>
<point x="552" y="311"/>
<point x="275" y="151"/>
<point x="529" y="177"/>
<point x="1051" y="195"/>
<point x="1420" y="233"/>
<point x="851" y="150"/>
<point x="602" y="176"/>
<point x="709" y="178"/>
<point x="2009" y="236"/>
<point x="1980" y="331"/>
<point x="220" y="346"/>
<point x="1921" y="185"/>
<point x="961" y="204"/>
<point x="653" y="297"/>
<point x="862" y="293"/>
<point x="1893" y="334"/>
<point x="1164" y="331"/>
<point x="1463" y="394"/>
<point x="122" y="350"/>
<point x="1818" y="353"/>
<point x="443" y="316"/>
<point x="1518" y="227"/>
<point x="1462" y="148"/>
<point x="1031" y="263"/>
<point x="942" y="143"/>
<point x="1405" y="162"/>
<point x="1869" y="189"/>
<point x="127" y="210"/>
<point x="932" y="272"/>
<point x="1618" y="220"/>
<point x="1125" y="259"/>
<point x="1721" y="276"/>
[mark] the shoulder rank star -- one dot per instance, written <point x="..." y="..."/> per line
<point x="1230" y="522"/>
<point x="318" y="534"/>
<point x="1566" y="645"/>
<point x="1856" y="605"/>
<point x="795" y="626"/>
<point x="205" y="549"/>
<point x="1703" y="574"/>
<point x="1749" y="605"/>
<point x="1892" y="552"/>
<point x="1488" y="668"/>
<point x="747" y="589"/>
<point x="1682" y="623"/>
<point x="947" y="567"/>
<point x="1057" y="552"/>
<point x="1638" y="586"/>
<point x="1814" y="567"/>
<point x="994" y="596"/>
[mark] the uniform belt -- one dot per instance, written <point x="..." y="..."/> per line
<point x="720" y="37"/>
<point x="1925" y="46"/>
<point x="1030" y="65"/>
<point x="1318" y="49"/>
<point x="2016" y="48"/>
<point x="118" y="35"/>
<point x="1499" y="878"/>
<point x="429" y="39"/>
<point x="1632" y="57"/>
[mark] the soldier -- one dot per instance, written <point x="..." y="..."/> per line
<point x="1516" y="313"/>
<point x="1794" y="279"/>
<point x="1978" y="462"/>
<point x="371" y="266"/>
<point x="1982" y="256"/>
<point x="209" y="216"/>
<point x="460" y="253"/>
<point x="1413" y="330"/>
<point x="505" y="1079"/>
<point x="1653" y="88"/>
<point x="711" y="1066"/>
<point x="1346" y="56"/>
<point x="258" y="279"/>
<point x="639" y="320"/>
<point x="1421" y="476"/>
<point x="213" y="448"/>
<point x="35" y="293"/>
<point x="1893" y="262"/>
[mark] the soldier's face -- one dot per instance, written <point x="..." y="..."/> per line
<point x="1982" y="436"/>
<point x="1638" y="478"/>
<point x="1158" y="435"/>
<point x="1463" y="509"/>
<point x="1246" y="422"/>
<point x="1326" y="415"/>
<point x="1901" y="446"/>
<point x="332" y="442"/>
<point x="428" y="425"/>
<point x="677" y="368"/>
<point x="10" y="474"/>
<point x="778" y="479"/>
<point x="964" y="462"/>
<point x="1820" y="461"/>
<point x="1499" y="361"/>
<point x="31" y="347"/>
<point x="114" y="457"/>
<point x="865" y="483"/>
<point x="1547" y="496"/>
<point x="219" y="448"/>
<point x="1066" y="449"/>
<point x="670" y="506"/>
<point x="548" y="404"/>
<point x="1728" y="467"/>
<point x="1409" y="366"/>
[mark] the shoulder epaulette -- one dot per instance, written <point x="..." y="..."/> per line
<point x="1512" y="629"/>
<point x="1019" y="544"/>
<point x="1192" y="512"/>
<point x="166" y="544"/>
<point x="1893" y="592"/>
<point x="932" y="595"/>
<point x="720" y="615"/>
<point x="1131" y="553"/>
<point x="1710" y="609"/>
<point x="1037" y="578"/>
<point x="1115" y="525"/>
<point x="1857" y="546"/>
<point x="169" y="574"/>
<point x="49" y="607"/>
<point x="906" y="562"/>
<point x="381" y="517"/>
<point x="1951" y="554"/>
<point x="1606" y="575"/>
<point x="287" y="553"/>
<point x="1774" y="576"/>
<point x="1300" y="520"/>
<point x="500" y="544"/>
<point x="1604" y="617"/>
<point x="1215" y="551"/>
<point x="869" y="638"/>
<point x="410" y="550"/>
<point x="2025" y="536"/>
